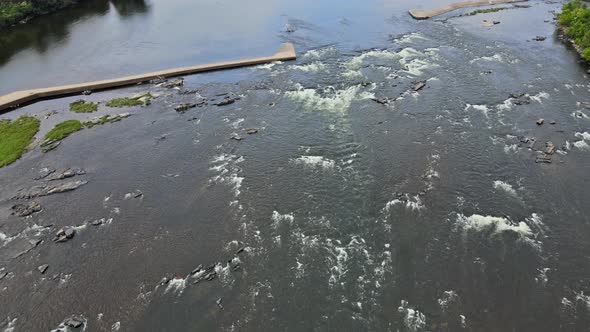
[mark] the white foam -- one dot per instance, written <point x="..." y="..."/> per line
<point x="580" y="297"/>
<point x="410" y="202"/>
<point x="227" y="171"/>
<point x="330" y="99"/>
<point x="539" y="96"/>
<point x="414" y="320"/>
<point x="582" y="145"/>
<point x="313" y="67"/>
<point x="269" y="65"/>
<point x="410" y="38"/>
<point x="320" y="53"/>
<point x="495" y="58"/>
<point x="497" y="224"/>
<point x="482" y="108"/>
<point x="316" y="162"/>
<point x="585" y="136"/>
<point x="116" y="326"/>
<point x="281" y="219"/>
<point x="447" y="298"/>
<point x="11" y="324"/>
<point x="501" y="185"/>
<point x="176" y="285"/>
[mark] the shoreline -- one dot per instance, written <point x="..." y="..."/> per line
<point x="24" y="18"/>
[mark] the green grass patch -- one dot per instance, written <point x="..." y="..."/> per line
<point x="13" y="11"/>
<point x="61" y="131"/>
<point x="15" y="136"/>
<point x="124" y="102"/>
<point x="81" y="106"/>
<point x="486" y="11"/>
<point x="575" y="20"/>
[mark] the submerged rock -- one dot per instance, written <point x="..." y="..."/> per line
<point x="46" y="190"/>
<point x="226" y="101"/>
<point x="44" y="172"/>
<point x="173" y="84"/>
<point x="181" y="108"/>
<point x="23" y="210"/>
<point x="236" y="137"/>
<point x="68" y="173"/>
<point x="539" y="38"/>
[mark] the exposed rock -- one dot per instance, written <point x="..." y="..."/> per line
<point x="219" y="302"/>
<point x="64" y="234"/>
<point x="46" y="190"/>
<point x="226" y="101"/>
<point x="550" y="148"/>
<point x="241" y="250"/>
<point x="68" y="173"/>
<point x="381" y="101"/>
<point x="539" y="38"/>
<point x="183" y="107"/>
<point x="158" y="80"/>
<point x="197" y="269"/>
<point x="101" y="221"/>
<point x="43" y="268"/>
<point x="74" y="322"/>
<point x="23" y="210"/>
<point x="251" y="131"/>
<point x="50" y="145"/>
<point x="540" y="122"/>
<point x="236" y="137"/>
<point x="544" y="158"/>
<point x="552" y="122"/>
<point x="3" y="275"/>
<point x="172" y="84"/>
<point x="419" y="86"/>
<point x="135" y="194"/>
<point x="86" y="92"/>
<point x="520" y="99"/>
<point x="44" y="172"/>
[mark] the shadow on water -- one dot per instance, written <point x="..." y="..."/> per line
<point x="54" y="28"/>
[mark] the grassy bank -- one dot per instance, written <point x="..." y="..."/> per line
<point x="575" y="21"/>
<point x="15" y="136"/>
<point x="14" y="11"/>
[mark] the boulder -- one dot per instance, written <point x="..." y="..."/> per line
<point x="23" y="210"/>
<point x="43" y="268"/>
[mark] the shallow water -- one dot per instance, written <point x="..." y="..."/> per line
<point x="427" y="213"/>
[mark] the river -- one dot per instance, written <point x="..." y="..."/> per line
<point x="364" y="202"/>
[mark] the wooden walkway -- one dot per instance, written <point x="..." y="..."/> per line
<point x="12" y="100"/>
<point x="426" y="14"/>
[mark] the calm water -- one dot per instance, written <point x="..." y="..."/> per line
<point x="428" y="213"/>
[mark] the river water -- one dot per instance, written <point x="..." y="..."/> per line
<point x="426" y="213"/>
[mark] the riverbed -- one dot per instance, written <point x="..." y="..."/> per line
<point x="392" y="178"/>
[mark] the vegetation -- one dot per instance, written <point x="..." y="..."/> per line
<point x="124" y="102"/>
<point x="15" y="136"/>
<point x="487" y="10"/>
<point x="575" y="19"/>
<point x="81" y="106"/>
<point x="13" y="11"/>
<point x="61" y="131"/>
